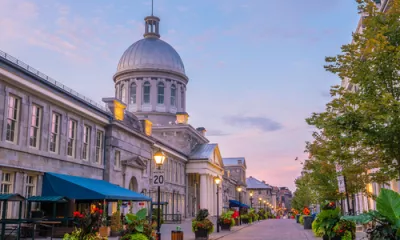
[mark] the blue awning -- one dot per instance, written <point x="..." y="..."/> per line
<point x="80" y="188"/>
<point x="235" y="203"/>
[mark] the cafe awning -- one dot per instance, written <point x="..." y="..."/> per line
<point x="57" y="199"/>
<point x="235" y="203"/>
<point x="80" y="188"/>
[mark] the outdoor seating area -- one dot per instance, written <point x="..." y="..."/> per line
<point x="54" y="213"/>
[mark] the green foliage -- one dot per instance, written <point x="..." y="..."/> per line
<point x="226" y="218"/>
<point x="343" y="227"/>
<point x="202" y="222"/>
<point x="315" y="228"/>
<point x="77" y="235"/>
<point x="301" y="219"/>
<point x="138" y="224"/>
<point x="327" y="219"/>
<point x="387" y="216"/>
<point x="116" y="223"/>
<point x="135" y="236"/>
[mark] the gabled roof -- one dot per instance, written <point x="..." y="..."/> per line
<point x="203" y="151"/>
<point x="253" y="183"/>
<point x="137" y="162"/>
<point x="234" y="161"/>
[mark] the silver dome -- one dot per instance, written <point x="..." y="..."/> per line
<point x="151" y="53"/>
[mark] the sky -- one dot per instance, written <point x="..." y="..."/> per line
<point x="255" y="67"/>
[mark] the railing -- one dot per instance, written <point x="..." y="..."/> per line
<point x="51" y="81"/>
<point x="172" y="218"/>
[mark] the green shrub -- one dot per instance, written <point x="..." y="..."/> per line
<point x="301" y="219"/>
<point x="315" y="228"/>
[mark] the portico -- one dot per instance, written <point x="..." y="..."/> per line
<point x="205" y="164"/>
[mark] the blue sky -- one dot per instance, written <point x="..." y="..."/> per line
<point x="255" y="66"/>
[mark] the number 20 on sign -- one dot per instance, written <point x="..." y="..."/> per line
<point x="158" y="178"/>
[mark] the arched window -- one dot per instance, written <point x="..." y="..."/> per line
<point x="122" y="93"/>
<point x="160" y="87"/>
<point x="146" y="92"/>
<point x="173" y="95"/>
<point x="182" y="98"/>
<point x="133" y="93"/>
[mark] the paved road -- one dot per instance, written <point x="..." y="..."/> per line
<point x="272" y="229"/>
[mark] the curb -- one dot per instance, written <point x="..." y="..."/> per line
<point x="232" y="232"/>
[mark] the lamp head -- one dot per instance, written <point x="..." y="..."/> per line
<point x="239" y="189"/>
<point x="260" y="199"/>
<point x="159" y="158"/>
<point x="251" y="194"/>
<point x="217" y="180"/>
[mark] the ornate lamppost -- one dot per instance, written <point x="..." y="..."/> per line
<point x="251" y="199"/>
<point x="265" y="203"/>
<point x="259" y="200"/>
<point x="239" y="189"/>
<point x="217" y="181"/>
<point x="159" y="158"/>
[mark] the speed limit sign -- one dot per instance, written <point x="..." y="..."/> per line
<point x="158" y="178"/>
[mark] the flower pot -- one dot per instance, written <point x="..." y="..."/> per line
<point x="201" y="234"/>
<point x="104" y="231"/>
<point x="176" y="235"/>
<point x="245" y="220"/>
<point x="225" y="226"/>
<point x="115" y="233"/>
<point x="308" y="222"/>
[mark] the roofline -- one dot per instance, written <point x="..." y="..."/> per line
<point x="177" y="126"/>
<point x="139" y="134"/>
<point x="48" y="81"/>
<point x="152" y="70"/>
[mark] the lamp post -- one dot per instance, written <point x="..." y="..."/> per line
<point x="239" y="189"/>
<point x="265" y="202"/>
<point x="259" y="200"/>
<point x="251" y="199"/>
<point x="217" y="181"/>
<point x="159" y="158"/>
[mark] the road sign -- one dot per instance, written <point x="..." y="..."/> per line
<point x="158" y="178"/>
<point x="341" y="184"/>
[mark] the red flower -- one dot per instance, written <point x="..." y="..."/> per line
<point x="100" y="211"/>
<point x="77" y="214"/>
<point x="81" y="216"/>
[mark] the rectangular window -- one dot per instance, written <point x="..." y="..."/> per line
<point x="7" y="180"/>
<point x="71" y="138"/>
<point x="176" y="172"/>
<point x="117" y="160"/>
<point x="13" y="119"/>
<point x="55" y="132"/>
<point x="34" y="134"/>
<point x="30" y="186"/>
<point x="86" y="141"/>
<point x="99" y="146"/>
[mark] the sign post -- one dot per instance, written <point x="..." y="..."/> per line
<point x="158" y="178"/>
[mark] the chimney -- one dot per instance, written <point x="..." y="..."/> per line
<point x="116" y="107"/>
<point x="182" y="117"/>
<point x="202" y="131"/>
<point x="263" y="181"/>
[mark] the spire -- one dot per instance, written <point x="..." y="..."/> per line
<point x="152" y="24"/>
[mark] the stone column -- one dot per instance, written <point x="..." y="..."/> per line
<point x="203" y="191"/>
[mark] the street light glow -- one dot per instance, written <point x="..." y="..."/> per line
<point x="159" y="158"/>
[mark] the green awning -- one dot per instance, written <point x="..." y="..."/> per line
<point x="11" y="197"/>
<point x="58" y="199"/>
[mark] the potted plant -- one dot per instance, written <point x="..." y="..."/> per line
<point x="87" y="225"/>
<point x="245" y="218"/>
<point x="201" y="225"/>
<point x="226" y="221"/>
<point x="252" y="215"/>
<point x="385" y="220"/>
<point x="138" y="227"/>
<point x="116" y="224"/>
<point x="104" y="230"/>
<point x="307" y="218"/>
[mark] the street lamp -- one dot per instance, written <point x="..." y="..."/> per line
<point x="239" y="189"/>
<point x="251" y="199"/>
<point x="159" y="158"/>
<point x="259" y="200"/>
<point x="265" y="203"/>
<point x="217" y="181"/>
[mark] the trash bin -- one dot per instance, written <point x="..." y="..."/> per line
<point x="298" y="218"/>
<point x="308" y="222"/>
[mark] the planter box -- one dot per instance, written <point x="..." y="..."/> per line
<point x="308" y="222"/>
<point x="245" y="221"/>
<point x="115" y="234"/>
<point x="225" y="227"/>
<point x="176" y="235"/>
<point x="201" y="234"/>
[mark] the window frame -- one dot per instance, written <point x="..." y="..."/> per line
<point x="71" y="136"/>
<point x="173" y="95"/>
<point x="99" y="147"/>
<point x="37" y="117"/>
<point x="160" y="93"/>
<point x="122" y="93"/>
<point x="31" y="186"/>
<point x="13" y="131"/>
<point x="132" y="96"/>
<point x="117" y="159"/>
<point x="10" y="183"/>
<point x="146" y="85"/>
<point x="57" y="133"/>
<point x="86" y="144"/>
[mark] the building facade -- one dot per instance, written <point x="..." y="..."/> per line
<point x="236" y="172"/>
<point x="48" y="127"/>
<point x="261" y="192"/>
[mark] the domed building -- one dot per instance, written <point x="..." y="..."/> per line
<point x="151" y="79"/>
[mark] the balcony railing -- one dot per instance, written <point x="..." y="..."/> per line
<point x="51" y="81"/>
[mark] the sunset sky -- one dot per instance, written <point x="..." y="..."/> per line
<point x="255" y="66"/>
